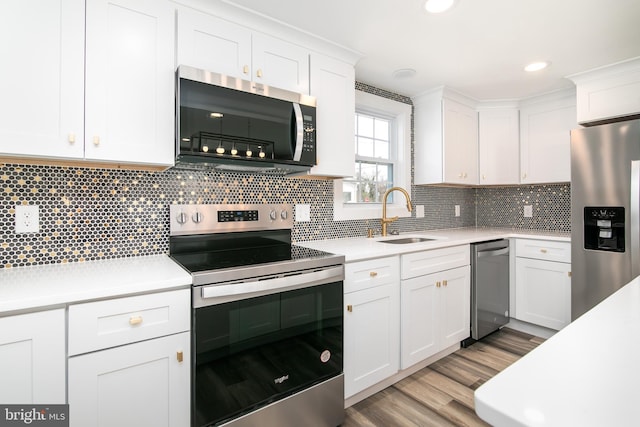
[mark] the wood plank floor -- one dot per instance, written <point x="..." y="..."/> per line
<point x="442" y="393"/>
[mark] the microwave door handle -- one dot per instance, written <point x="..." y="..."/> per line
<point x="299" y="131"/>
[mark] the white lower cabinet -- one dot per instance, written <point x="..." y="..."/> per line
<point x="141" y="384"/>
<point x="130" y="361"/>
<point x="435" y="313"/>
<point x="543" y="292"/>
<point x="543" y="283"/>
<point x="33" y="358"/>
<point x="371" y="323"/>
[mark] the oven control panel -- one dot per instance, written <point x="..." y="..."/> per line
<point x="201" y="219"/>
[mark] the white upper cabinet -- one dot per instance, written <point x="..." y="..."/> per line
<point x="280" y="64"/>
<point x="114" y="104"/>
<point x="333" y="85"/>
<point x="129" y="81"/>
<point x="446" y="140"/>
<point x="498" y="146"/>
<point x="42" y="102"/>
<point x="608" y="92"/>
<point x="215" y="44"/>
<point x="545" y="126"/>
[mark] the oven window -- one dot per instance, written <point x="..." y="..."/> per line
<point x="252" y="352"/>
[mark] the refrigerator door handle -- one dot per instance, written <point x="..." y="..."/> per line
<point x="635" y="218"/>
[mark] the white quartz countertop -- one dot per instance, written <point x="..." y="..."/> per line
<point x="585" y="375"/>
<point x="38" y="287"/>
<point x="361" y="248"/>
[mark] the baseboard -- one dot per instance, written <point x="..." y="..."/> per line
<point x="530" y="328"/>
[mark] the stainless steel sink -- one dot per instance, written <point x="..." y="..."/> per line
<point x="405" y="240"/>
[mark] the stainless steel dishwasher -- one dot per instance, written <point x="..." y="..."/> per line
<point x="489" y="287"/>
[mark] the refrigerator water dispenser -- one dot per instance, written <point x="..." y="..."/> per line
<point x="604" y="228"/>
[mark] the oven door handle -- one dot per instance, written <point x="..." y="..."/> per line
<point x="217" y="294"/>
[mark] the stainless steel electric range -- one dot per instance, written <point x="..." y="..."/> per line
<point x="267" y="319"/>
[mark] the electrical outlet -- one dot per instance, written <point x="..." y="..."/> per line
<point x="303" y="213"/>
<point x="456" y="210"/>
<point x="27" y="219"/>
<point x="528" y="211"/>
<point x="420" y="211"/>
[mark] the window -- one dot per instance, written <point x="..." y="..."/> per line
<point x="375" y="156"/>
<point x="383" y="159"/>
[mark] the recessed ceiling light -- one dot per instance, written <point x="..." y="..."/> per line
<point x="438" y="6"/>
<point x="537" y="66"/>
<point x="404" y="73"/>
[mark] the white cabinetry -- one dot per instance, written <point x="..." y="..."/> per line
<point x="130" y="361"/>
<point x="371" y="322"/>
<point x="608" y="92"/>
<point x="333" y="85"/>
<point x="112" y="104"/>
<point x="33" y="355"/>
<point x="42" y="102"/>
<point x="214" y="44"/>
<point x="498" y="143"/>
<point x="435" y="302"/>
<point x="446" y="132"/>
<point x="543" y="283"/>
<point x="129" y="82"/>
<point x="545" y="126"/>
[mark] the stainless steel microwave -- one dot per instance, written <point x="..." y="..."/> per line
<point x="232" y="124"/>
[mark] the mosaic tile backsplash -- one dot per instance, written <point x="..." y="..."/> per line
<point x="88" y="214"/>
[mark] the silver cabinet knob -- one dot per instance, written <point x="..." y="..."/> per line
<point x="284" y="214"/>
<point x="273" y="215"/>
<point x="197" y="217"/>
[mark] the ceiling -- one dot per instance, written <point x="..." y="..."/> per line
<point x="478" y="48"/>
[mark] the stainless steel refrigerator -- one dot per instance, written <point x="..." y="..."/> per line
<point x="605" y="217"/>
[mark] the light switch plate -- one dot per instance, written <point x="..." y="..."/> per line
<point x="27" y="219"/>
<point x="456" y="210"/>
<point x="528" y="211"/>
<point x="420" y="211"/>
<point x="303" y="213"/>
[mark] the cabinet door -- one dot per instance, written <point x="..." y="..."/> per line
<point x="32" y="351"/>
<point x="419" y="318"/>
<point x="543" y="292"/>
<point x="280" y="64"/>
<point x="371" y="337"/>
<point x="545" y="141"/>
<point x="142" y="384"/>
<point x="455" y="306"/>
<point x="130" y="82"/>
<point x="333" y="85"/>
<point x="42" y="84"/>
<point x="498" y="146"/>
<point x="460" y="135"/>
<point x="213" y="44"/>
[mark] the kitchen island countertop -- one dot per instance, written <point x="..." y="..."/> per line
<point x="585" y="375"/>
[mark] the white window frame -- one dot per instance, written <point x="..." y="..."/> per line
<point x="400" y="114"/>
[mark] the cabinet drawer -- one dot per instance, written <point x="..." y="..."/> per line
<point x="427" y="262"/>
<point x="544" y="249"/>
<point x="372" y="273"/>
<point x="97" y="325"/>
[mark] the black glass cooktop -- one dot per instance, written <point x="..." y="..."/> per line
<point x="213" y="252"/>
